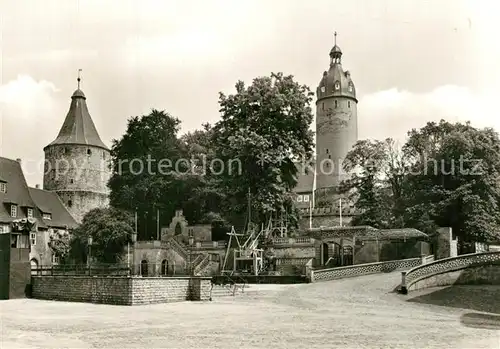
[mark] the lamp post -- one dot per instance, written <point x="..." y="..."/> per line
<point x="134" y="239"/>
<point x="89" y="256"/>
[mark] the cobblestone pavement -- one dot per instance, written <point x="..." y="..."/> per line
<point x="349" y="313"/>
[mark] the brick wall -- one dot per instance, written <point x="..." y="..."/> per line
<point x="170" y="289"/>
<point x="120" y="290"/>
<point x="106" y="290"/>
<point x="332" y="220"/>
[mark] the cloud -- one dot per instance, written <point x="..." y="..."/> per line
<point x="393" y="112"/>
<point x="29" y="117"/>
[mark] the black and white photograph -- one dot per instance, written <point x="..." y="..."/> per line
<point x="249" y="174"/>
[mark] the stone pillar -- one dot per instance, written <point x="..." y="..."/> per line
<point x="446" y="245"/>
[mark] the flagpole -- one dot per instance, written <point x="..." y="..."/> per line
<point x="340" y="210"/>
<point x="310" y="215"/>
<point x="157" y="224"/>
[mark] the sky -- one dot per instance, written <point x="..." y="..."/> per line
<point x="412" y="61"/>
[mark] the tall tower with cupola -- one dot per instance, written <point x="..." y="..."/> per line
<point x="77" y="161"/>
<point x="336" y="122"/>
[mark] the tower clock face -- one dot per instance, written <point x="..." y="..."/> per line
<point x="331" y="122"/>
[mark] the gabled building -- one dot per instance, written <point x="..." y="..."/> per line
<point x="15" y="201"/>
<point x="56" y="219"/>
<point x="40" y="210"/>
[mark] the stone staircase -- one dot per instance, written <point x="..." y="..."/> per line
<point x="219" y="291"/>
<point x="200" y="261"/>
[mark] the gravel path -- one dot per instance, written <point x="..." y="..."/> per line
<point x="348" y="313"/>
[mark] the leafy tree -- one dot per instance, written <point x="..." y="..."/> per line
<point x="110" y="228"/>
<point x="150" y="170"/>
<point x="454" y="178"/>
<point x="375" y="183"/>
<point x="264" y="129"/>
<point x="203" y="199"/>
<point x="60" y="244"/>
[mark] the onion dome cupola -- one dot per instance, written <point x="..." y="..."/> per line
<point x="336" y="81"/>
<point x="78" y="127"/>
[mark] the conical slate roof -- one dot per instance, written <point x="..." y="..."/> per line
<point x="78" y="127"/>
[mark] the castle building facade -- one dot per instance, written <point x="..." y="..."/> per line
<point x="336" y="134"/>
<point x="77" y="162"/>
<point x="336" y="122"/>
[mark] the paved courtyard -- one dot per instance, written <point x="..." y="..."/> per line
<point x="350" y="313"/>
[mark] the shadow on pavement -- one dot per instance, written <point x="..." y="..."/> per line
<point x="482" y="321"/>
<point x="484" y="298"/>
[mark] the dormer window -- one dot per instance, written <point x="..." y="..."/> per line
<point x="337" y="85"/>
<point x="350" y="88"/>
<point x="47" y="216"/>
<point x="29" y="213"/>
<point x="13" y="210"/>
<point x="3" y="187"/>
<point x="299" y="198"/>
<point x="322" y="89"/>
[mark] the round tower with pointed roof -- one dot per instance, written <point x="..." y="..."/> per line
<point x="77" y="161"/>
<point x="336" y="121"/>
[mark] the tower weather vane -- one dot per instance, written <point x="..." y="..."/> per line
<point x="79" y="79"/>
<point x="334" y="39"/>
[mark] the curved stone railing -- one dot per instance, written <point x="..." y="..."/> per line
<point x="363" y="269"/>
<point x="411" y="278"/>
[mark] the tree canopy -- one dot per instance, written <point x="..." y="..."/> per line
<point x="446" y="174"/>
<point x="110" y="229"/>
<point x="265" y="129"/>
<point x="208" y="173"/>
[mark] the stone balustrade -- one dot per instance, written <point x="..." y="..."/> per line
<point x="362" y="269"/>
<point x="484" y="268"/>
<point x="293" y="260"/>
<point x="293" y="241"/>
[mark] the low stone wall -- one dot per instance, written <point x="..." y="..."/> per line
<point x="474" y="268"/>
<point x="363" y="269"/>
<point x="120" y="290"/>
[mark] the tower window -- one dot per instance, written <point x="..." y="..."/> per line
<point x="104" y="155"/>
<point x="327" y="151"/>
<point x="348" y="104"/>
<point x="65" y="150"/>
<point x="336" y="104"/>
<point x="89" y="152"/>
<point x="337" y="85"/>
<point x="71" y="181"/>
<point x="350" y="88"/>
<point x="70" y="203"/>
<point x="322" y="106"/>
<point x="329" y="156"/>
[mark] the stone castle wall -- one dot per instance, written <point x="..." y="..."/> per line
<point x="79" y="174"/>
<point x="120" y="290"/>
<point x="337" y="132"/>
